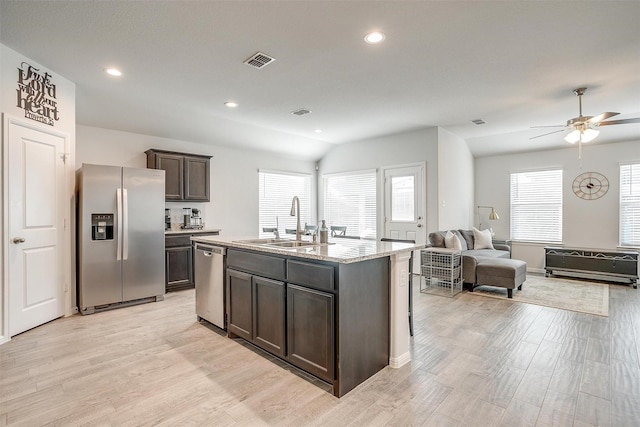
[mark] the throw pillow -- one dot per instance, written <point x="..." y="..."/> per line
<point x="451" y="241"/>
<point x="463" y="242"/>
<point x="482" y="239"/>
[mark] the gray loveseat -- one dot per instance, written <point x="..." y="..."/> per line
<point x="470" y="256"/>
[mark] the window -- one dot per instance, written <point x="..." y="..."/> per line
<point x="630" y="205"/>
<point x="350" y="200"/>
<point x="402" y="198"/>
<point x="536" y="206"/>
<point x="276" y="193"/>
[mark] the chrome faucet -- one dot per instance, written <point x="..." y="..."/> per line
<point x="295" y="209"/>
<point x="276" y="232"/>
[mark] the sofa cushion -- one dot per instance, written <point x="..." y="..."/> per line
<point x="452" y="241"/>
<point x="436" y="239"/>
<point x="482" y="239"/>
<point x="463" y="242"/>
<point x="467" y="235"/>
<point x="487" y="253"/>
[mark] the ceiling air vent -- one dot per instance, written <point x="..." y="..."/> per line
<point x="478" y="121"/>
<point x="259" y="60"/>
<point x="301" y="112"/>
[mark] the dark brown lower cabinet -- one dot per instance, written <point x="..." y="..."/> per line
<point x="239" y="304"/>
<point x="328" y="319"/>
<point x="256" y="310"/>
<point x="269" y="315"/>
<point x="179" y="260"/>
<point x="310" y="330"/>
<point x="178" y="263"/>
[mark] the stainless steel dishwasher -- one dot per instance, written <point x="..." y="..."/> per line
<point x="209" y="272"/>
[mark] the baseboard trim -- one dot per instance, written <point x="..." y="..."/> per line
<point x="397" y="362"/>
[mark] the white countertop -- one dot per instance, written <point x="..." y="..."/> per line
<point x="191" y="231"/>
<point x="338" y="250"/>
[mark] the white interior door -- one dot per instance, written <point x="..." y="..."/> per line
<point x="404" y="203"/>
<point x="36" y="189"/>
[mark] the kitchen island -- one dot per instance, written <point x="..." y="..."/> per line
<point x="339" y="311"/>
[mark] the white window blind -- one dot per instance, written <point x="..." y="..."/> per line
<point x="536" y="206"/>
<point x="276" y="193"/>
<point x="630" y="205"/>
<point x="350" y="200"/>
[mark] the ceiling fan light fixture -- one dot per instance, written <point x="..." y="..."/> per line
<point x="586" y="135"/>
<point x="573" y="137"/>
<point x="589" y="135"/>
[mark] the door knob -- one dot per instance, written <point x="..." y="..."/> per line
<point x="419" y="225"/>
<point x="17" y="240"/>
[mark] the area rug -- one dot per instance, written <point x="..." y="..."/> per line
<point x="569" y="294"/>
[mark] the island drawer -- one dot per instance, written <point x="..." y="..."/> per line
<point x="262" y="265"/>
<point x="311" y="274"/>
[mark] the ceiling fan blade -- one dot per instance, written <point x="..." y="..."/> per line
<point x="619" y="122"/>
<point x="548" y="126"/>
<point x="601" y="117"/>
<point x="545" y="134"/>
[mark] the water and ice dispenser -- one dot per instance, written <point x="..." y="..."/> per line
<point x="102" y="226"/>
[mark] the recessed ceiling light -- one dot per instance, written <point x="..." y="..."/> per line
<point x="113" y="72"/>
<point x="318" y="131"/>
<point x="374" y="37"/>
<point x="231" y="104"/>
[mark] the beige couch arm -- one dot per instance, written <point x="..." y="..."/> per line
<point x="502" y="245"/>
<point x="469" y="268"/>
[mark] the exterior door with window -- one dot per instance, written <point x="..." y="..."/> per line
<point x="404" y="203"/>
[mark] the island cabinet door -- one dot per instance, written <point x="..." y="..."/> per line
<point x="239" y="305"/>
<point x="310" y="331"/>
<point x="269" y="315"/>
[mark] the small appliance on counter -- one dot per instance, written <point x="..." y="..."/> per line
<point x="167" y="219"/>
<point x="196" y="220"/>
<point x="191" y="219"/>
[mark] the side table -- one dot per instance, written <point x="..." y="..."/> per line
<point x="442" y="271"/>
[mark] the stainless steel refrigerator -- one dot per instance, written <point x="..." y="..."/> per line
<point x="120" y="236"/>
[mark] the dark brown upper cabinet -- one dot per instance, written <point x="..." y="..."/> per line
<point x="187" y="175"/>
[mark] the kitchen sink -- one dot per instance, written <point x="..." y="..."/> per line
<point x="262" y="241"/>
<point x="279" y="243"/>
<point x="292" y="244"/>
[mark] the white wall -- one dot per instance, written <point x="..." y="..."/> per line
<point x="234" y="173"/>
<point x="586" y="223"/>
<point x="10" y="62"/>
<point x="455" y="182"/>
<point x="389" y="150"/>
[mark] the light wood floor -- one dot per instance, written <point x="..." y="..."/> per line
<point x="476" y="362"/>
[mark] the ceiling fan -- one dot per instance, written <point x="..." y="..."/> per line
<point x="582" y="127"/>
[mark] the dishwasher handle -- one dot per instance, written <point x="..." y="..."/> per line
<point x="209" y="250"/>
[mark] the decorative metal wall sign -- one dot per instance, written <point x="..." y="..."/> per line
<point x="37" y="95"/>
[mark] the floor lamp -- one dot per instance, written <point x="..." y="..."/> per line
<point x="492" y="216"/>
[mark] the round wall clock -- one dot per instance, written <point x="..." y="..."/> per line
<point x="590" y="185"/>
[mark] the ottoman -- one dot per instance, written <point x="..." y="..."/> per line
<point x="501" y="272"/>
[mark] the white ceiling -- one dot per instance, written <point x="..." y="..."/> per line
<point x="512" y="63"/>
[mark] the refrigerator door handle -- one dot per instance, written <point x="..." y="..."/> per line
<point x="125" y="225"/>
<point x="119" y="224"/>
